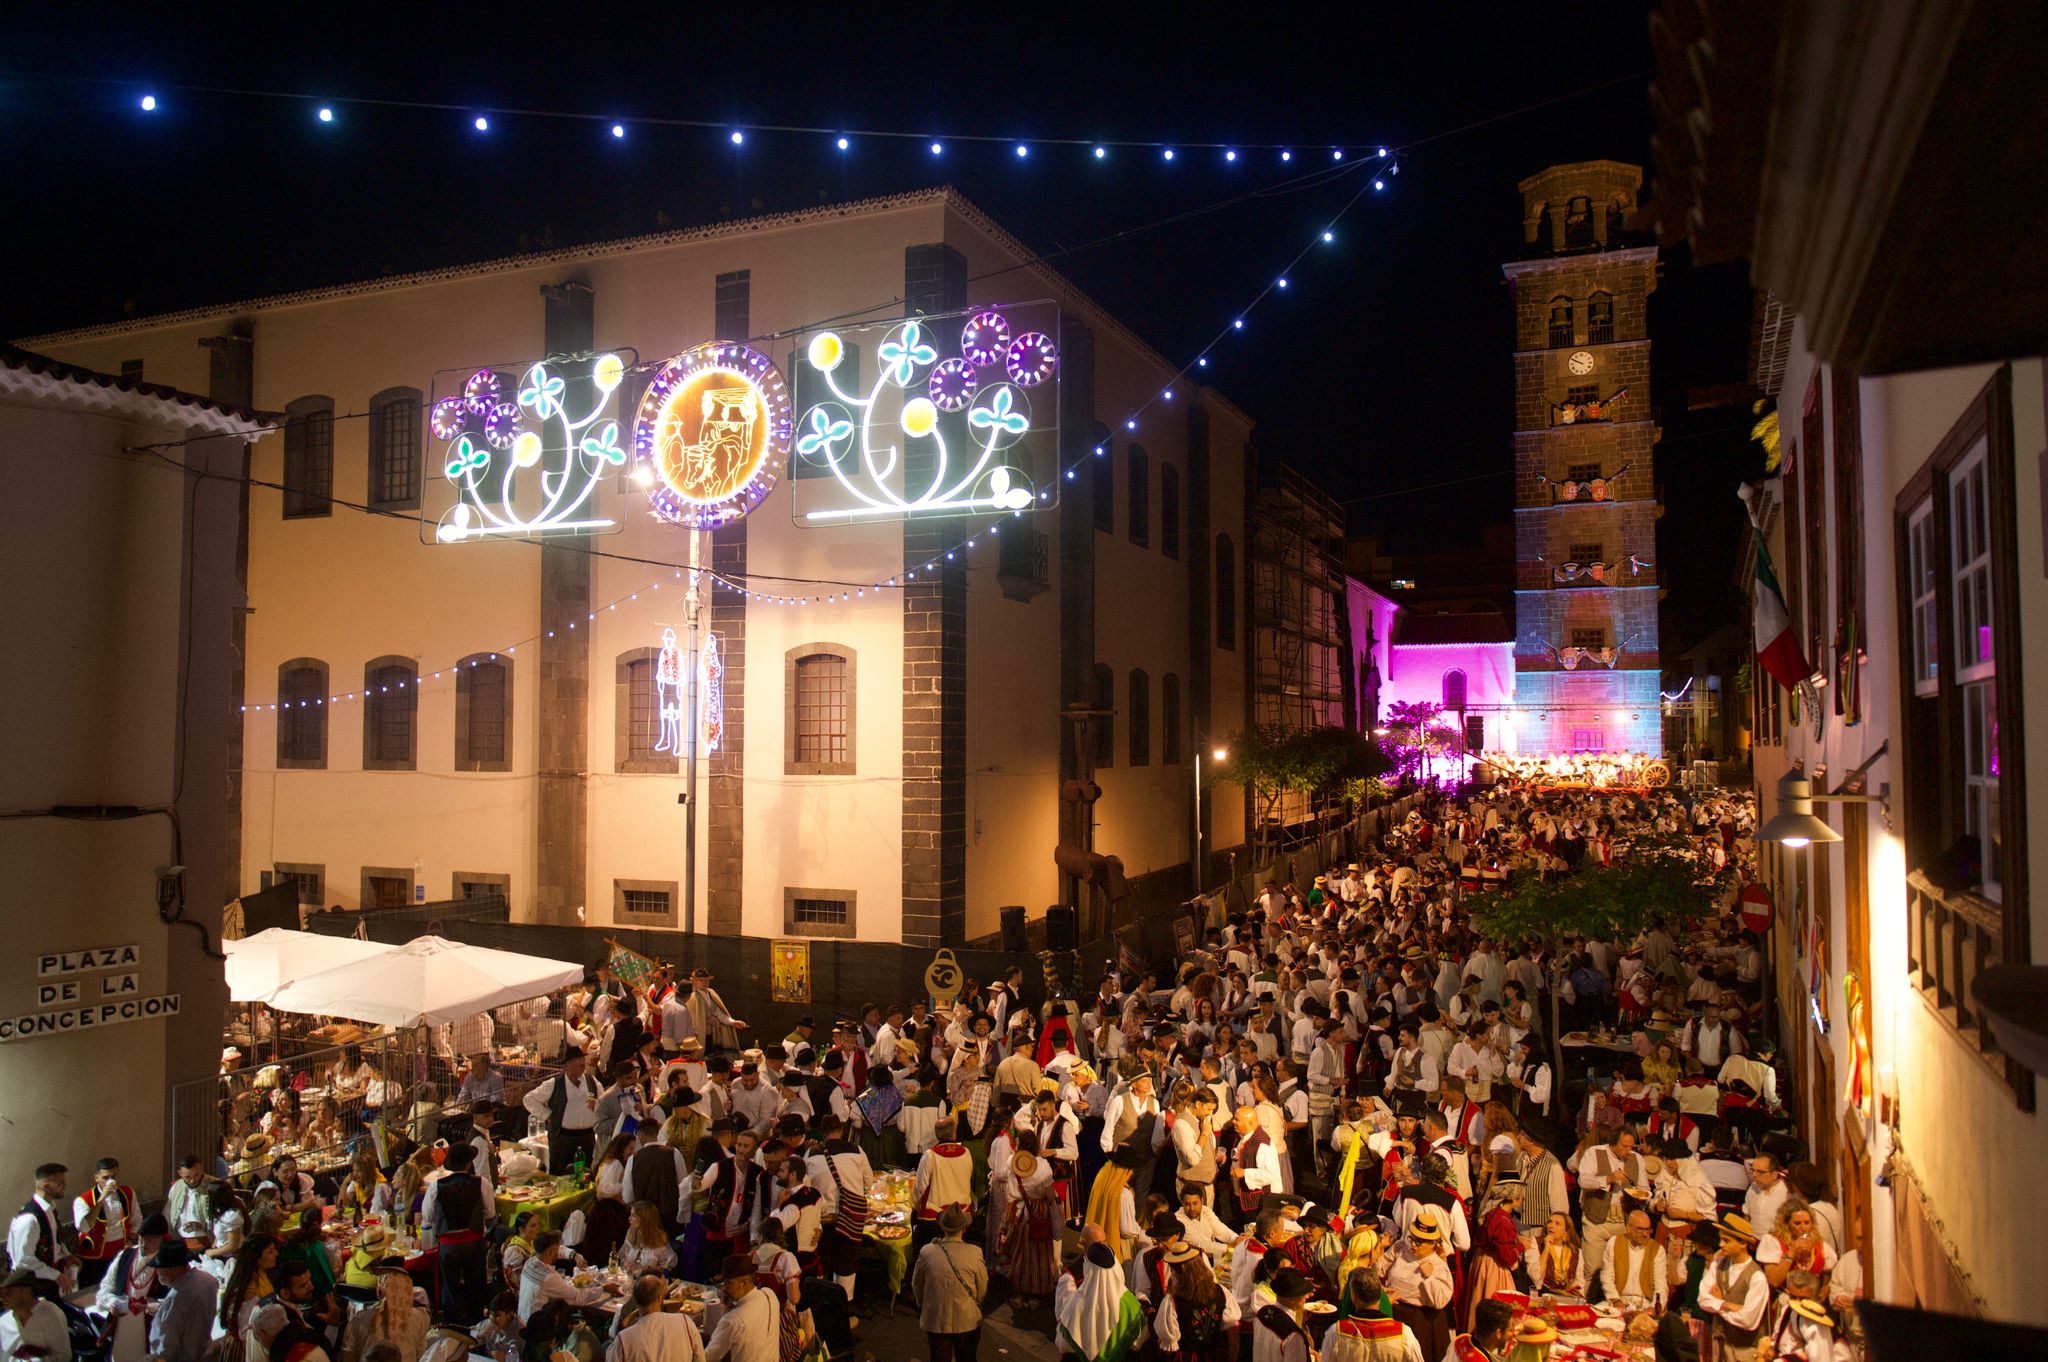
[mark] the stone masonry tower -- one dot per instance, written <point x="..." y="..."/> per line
<point x="1586" y="667"/>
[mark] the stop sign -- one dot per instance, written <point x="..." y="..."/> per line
<point x="1754" y="904"/>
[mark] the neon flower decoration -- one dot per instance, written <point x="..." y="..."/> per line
<point x="926" y="434"/>
<point x="534" y="466"/>
<point x="713" y="431"/>
<point x="1030" y="359"/>
<point x="984" y="339"/>
<point x="710" y="695"/>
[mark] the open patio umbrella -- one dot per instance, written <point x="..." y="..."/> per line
<point x="258" y="966"/>
<point x="428" y="981"/>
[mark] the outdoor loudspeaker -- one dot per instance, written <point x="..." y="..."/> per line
<point x="1014" y="939"/>
<point x="1059" y="929"/>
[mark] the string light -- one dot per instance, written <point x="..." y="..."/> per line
<point x="618" y="129"/>
<point x="149" y="103"/>
<point x="326" y="115"/>
<point x="938" y="147"/>
<point x="844" y="144"/>
<point x="1101" y="152"/>
<point x="482" y="124"/>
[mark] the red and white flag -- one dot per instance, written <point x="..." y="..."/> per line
<point x="1777" y="648"/>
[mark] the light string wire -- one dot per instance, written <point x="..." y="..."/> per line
<point x="846" y="591"/>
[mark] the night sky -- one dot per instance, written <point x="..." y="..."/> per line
<point x="1383" y="368"/>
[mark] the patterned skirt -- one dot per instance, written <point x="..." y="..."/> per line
<point x="1028" y="1249"/>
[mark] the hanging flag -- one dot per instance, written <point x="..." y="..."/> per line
<point x="1777" y="648"/>
<point x="635" y="970"/>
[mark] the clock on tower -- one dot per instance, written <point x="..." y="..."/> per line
<point x="1581" y="362"/>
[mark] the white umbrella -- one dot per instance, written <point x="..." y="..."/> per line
<point x="258" y="966"/>
<point x="428" y="981"/>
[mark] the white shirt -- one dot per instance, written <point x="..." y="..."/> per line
<point x="749" y="1332"/>
<point x="579" y="1112"/>
<point x="1760" y="1207"/>
<point x="26" y="1240"/>
<point x="45" y="1328"/>
<point x="1117" y="1106"/>
<point x="539" y="1283"/>
<point x="657" y="1338"/>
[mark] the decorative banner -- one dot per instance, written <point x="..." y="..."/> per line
<point x="955" y="413"/>
<point x="668" y="694"/>
<point x="789" y="971"/>
<point x="943" y="978"/>
<point x="1600" y="409"/>
<point x="710" y="695"/>
<point x="1854" y="1091"/>
<point x="1589" y="489"/>
<point x="522" y="458"/>
<point x="711" y="435"/>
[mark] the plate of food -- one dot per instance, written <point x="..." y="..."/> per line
<point x="1320" y="1307"/>
<point x="892" y="1217"/>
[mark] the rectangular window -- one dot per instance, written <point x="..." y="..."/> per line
<point x="1582" y="472"/>
<point x="482" y="706"/>
<point x="644" y="723"/>
<point x="395" y="451"/>
<point x="480" y="885"/>
<point x="821" y="714"/>
<point x="732" y="319"/>
<point x="309" y="880"/>
<point x="645" y="903"/>
<point x="301" y="716"/>
<point x="1589" y="740"/>
<point x="309" y="461"/>
<point x="390" y="704"/>
<point x="1581" y="393"/>
<point x="1585" y="553"/>
<point x="1138" y="481"/>
<point x="1962" y="783"/>
<point x="386" y="890"/>
<point x="820" y="912"/>
<point x="1595" y="637"/>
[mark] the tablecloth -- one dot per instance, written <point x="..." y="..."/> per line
<point x="553" y="1213"/>
<point x="895" y="1256"/>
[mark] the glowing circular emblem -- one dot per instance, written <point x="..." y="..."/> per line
<point x="919" y="416"/>
<point x="608" y="372"/>
<point x="984" y="337"/>
<point x="526" y="449"/>
<point x="481" y="390"/>
<point x="825" y="351"/>
<point x="714" y="427"/>
<point x="1030" y="359"/>
<point x="501" y="425"/>
<point x="446" y="419"/>
<point x="952" y="385"/>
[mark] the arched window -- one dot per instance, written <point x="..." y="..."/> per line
<point x="1138" y="490"/>
<point x="1226" y="592"/>
<point x="483" y="713"/>
<point x="1600" y="318"/>
<point x="302" y="715"/>
<point x="1169" y="510"/>
<point x="395" y="449"/>
<point x="1169" y="720"/>
<point x="309" y="457"/>
<point x="1454" y="689"/>
<point x="1560" y="321"/>
<point x="818" y="716"/>
<point x="1578" y="222"/>
<point x="1141" y="719"/>
<point x="1105" y="722"/>
<point x="391" y="693"/>
<point x="640" y="741"/>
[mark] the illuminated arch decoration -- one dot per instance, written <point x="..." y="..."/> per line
<point x="973" y="395"/>
<point x="711" y="435"/>
<point x="525" y="456"/>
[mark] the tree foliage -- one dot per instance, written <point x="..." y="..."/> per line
<point x="1271" y="760"/>
<point x="1653" y="878"/>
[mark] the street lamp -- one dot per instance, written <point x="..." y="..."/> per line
<point x="1217" y="756"/>
<point x="1795" y="826"/>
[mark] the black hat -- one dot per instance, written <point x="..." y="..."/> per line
<point x="1100" y="1255"/>
<point x="806" y="1022"/>
<point x="1289" y="1283"/>
<point x="737" y="1266"/>
<point x="172" y="1254"/>
<point x="687" y="1096"/>
<point x="775" y="1050"/>
<point x="731" y="1121"/>
<point x="1165" y="1226"/>
<point x="154" y="1223"/>
<point x="792" y="1079"/>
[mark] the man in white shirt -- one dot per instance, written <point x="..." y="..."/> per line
<point x="568" y="1104"/>
<point x="754" y="1099"/>
<point x="540" y="1284"/>
<point x="29" y="1322"/>
<point x="1767" y="1192"/>
<point x="751" y="1328"/>
<point x="654" y="1335"/>
<point x="34" y="1242"/>
<point x="882" y="1050"/>
<point x="1201" y="1228"/>
<point x="1633" y="1272"/>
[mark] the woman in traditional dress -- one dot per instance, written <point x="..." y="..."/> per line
<point x="1102" y="1321"/>
<point x="1031" y="1227"/>
<point x="610" y="1215"/>
<point x="646" y="1248"/>
<point x="1197" y="1319"/>
<point x="1110" y="1203"/>
<point x="1556" y="1263"/>
<point x="1496" y="1250"/>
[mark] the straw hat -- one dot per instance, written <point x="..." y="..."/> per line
<point x="256" y="1146"/>
<point x="372" y="1237"/>
<point x="1182" y="1252"/>
<point x="1427" y="1229"/>
<point x="1536" y="1333"/>
<point x="1810" y="1310"/>
<point x="1738" y="1227"/>
<point x="1024" y="1163"/>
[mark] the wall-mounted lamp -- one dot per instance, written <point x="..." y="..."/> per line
<point x="1795" y="826"/>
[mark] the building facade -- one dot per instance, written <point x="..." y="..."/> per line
<point x="1586" y="649"/>
<point x="485" y="715"/>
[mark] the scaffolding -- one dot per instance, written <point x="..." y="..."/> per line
<point x="1298" y="611"/>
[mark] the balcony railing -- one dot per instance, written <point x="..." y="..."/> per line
<point x="1952" y="936"/>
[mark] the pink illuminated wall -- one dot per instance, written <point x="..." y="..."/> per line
<point x="1418" y="670"/>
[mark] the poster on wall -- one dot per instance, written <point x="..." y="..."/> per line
<point x="789" y="971"/>
<point x="947" y="414"/>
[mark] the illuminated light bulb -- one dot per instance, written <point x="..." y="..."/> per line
<point x="1023" y="150"/>
<point x="1201" y="361"/>
<point x="920" y="416"/>
<point x="825" y="351"/>
<point x="843" y="144"/>
<point x="482" y="124"/>
<point x="1379" y="184"/>
<point x="1383" y="153"/>
<point x="1070" y="475"/>
<point x="1282" y="281"/>
<point x="1794" y="843"/>
<point x="608" y="372"/>
<point x="326" y="115"/>
<point x="738" y="137"/>
<point x="149" y="103"/>
<point x="1168" y="395"/>
<point x="1101" y="152"/>
<point x="1100" y="450"/>
<point x="1336" y="153"/>
<point x="1130" y="425"/>
<point x="1230" y="156"/>
<point x="526" y="449"/>
<point x="644" y="475"/>
<point x="618" y="129"/>
<point x="1286" y="155"/>
<point x="938" y="147"/>
<point x="1237" y="325"/>
<point x="1169" y="153"/>
<point x="1329" y="236"/>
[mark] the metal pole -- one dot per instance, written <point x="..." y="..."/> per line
<point x="692" y="609"/>
<point x="1199" y="867"/>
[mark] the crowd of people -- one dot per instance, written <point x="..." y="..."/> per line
<point x="1341" y="1126"/>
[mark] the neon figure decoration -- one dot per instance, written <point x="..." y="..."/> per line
<point x="710" y="695"/>
<point x="668" y="694"/>
<point x="531" y="466"/>
<point x="997" y="389"/>
<point x="710" y="435"/>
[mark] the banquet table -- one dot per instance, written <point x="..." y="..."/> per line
<point x="554" y="1211"/>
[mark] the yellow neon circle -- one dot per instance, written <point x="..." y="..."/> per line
<point x="608" y="372"/>
<point x="526" y="449"/>
<point x="711" y="434"/>
<point x="919" y="416"/>
<point x="826" y="350"/>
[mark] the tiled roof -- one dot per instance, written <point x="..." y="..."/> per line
<point x="21" y="364"/>
<point x="1489" y="626"/>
